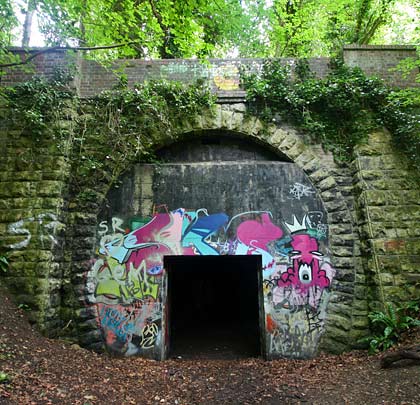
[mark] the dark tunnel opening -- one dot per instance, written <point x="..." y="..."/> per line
<point x="213" y="306"/>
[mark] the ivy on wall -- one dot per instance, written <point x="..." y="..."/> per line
<point x="108" y="131"/>
<point x="123" y="125"/>
<point x="36" y="105"/>
<point x="338" y="111"/>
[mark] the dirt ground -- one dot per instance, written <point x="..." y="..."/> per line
<point x="37" y="370"/>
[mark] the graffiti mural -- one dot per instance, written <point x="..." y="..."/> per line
<point x="125" y="280"/>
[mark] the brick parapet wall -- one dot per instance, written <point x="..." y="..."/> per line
<point x="45" y="64"/>
<point x="381" y="61"/>
<point x="222" y="75"/>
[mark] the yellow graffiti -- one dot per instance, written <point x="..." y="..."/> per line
<point x="114" y="282"/>
<point x="227" y="77"/>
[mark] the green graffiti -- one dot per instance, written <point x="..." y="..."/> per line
<point x="126" y="286"/>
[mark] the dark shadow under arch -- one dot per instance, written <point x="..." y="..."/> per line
<point x="218" y="145"/>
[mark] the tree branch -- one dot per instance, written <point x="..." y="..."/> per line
<point x="69" y="48"/>
<point x="158" y="17"/>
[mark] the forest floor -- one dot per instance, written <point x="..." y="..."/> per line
<point x="38" y="370"/>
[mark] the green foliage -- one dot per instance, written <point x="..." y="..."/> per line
<point x="390" y="324"/>
<point x="150" y="28"/>
<point x="35" y="104"/>
<point x="200" y="28"/>
<point x="400" y="113"/>
<point x="309" y="28"/>
<point x="409" y="65"/>
<point x="8" y="22"/>
<point x="338" y="111"/>
<point x="121" y="125"/>
<point x="24" y="307"/>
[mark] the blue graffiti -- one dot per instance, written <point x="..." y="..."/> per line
<point x="201" y="229"/>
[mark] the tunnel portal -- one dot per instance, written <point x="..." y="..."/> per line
<point x="213" y="306"/>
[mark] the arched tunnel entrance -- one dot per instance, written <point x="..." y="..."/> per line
<point x="214" y="306"/>
<point x="170" y="276"/>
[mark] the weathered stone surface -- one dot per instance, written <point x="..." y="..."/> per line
<point x="381" y="205"/>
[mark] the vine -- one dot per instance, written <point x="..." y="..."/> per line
<point x="122" y="125"/>
<point x="36" y="105"/>
<point x="338" y="111"/>
<point x="109" y="130"/>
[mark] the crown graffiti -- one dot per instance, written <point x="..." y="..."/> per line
<point x="297" y="226"/>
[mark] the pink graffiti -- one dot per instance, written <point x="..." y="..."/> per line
<point x="149" y="232"/>
<point x="152" y="256"/>
<point x="258" y="233"/>
<point x="306" y="271"/>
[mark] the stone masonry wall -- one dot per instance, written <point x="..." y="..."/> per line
<point x="388" y="205"/>
<point x="49" y="236"/>
<point x="333" y="182"/>
<point x="33" y="182"/>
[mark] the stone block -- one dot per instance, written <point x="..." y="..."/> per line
<point x="327" y="184"/>
<point x="360" y="304"/>
<point x="337" y="334"/>
<point x="258" y="129"/>
<point x="330" y="345"/>
<point x="342" y="217"/>
<point x="287" y="144"/>
<point x="334" y="205"/>
<point x="236" y="121"/>
<point x="319" y="175"/>
<point x="360" y="292"/>
<point x="341" y="251"/>
<point x="386" y="279"/>
<point x="360" y="322"/>
<point x="297" y="149"/>
<point x="305" y="158"/>
<point x="341" y="230"/>
<point x="248" y="124"/>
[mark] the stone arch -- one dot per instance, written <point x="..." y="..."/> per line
<point x="333" y="183"/>
<point x="321" y="170"/>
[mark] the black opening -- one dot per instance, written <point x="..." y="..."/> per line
<point x="213" y="306"/>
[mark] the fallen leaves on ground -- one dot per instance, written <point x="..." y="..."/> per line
<point x="45" y="371"/>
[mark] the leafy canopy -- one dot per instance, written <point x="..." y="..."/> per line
<point x="201" y="28"/>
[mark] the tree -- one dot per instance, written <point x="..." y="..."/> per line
<point x="321" y="27"/>
<point x="8" y="22"/>
<point x="218" y="28"/>
<point x="27" y="25"/>
<point x="370" y="16"/>
<point x="154" y="28"/>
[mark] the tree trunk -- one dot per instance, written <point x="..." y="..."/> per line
<point x="27" y="25"/>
